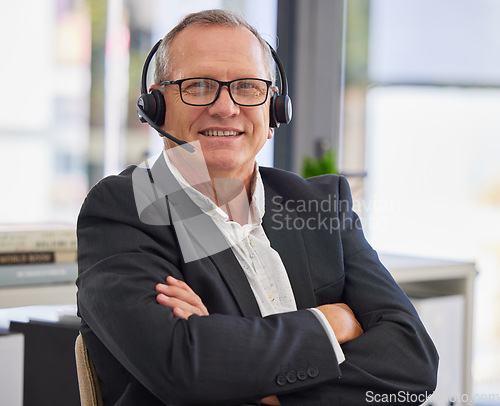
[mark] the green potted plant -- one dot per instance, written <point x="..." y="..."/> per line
<point x="325" y="164"/>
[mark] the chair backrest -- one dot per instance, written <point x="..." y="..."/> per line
<point x="90" y="393"/>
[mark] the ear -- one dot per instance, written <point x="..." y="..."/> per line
<point x="270" y="135"/>
<point x="274" y="91"/>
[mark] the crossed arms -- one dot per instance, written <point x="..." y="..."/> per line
<point x="184" y="302"/>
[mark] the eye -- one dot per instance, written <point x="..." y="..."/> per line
<point x="197" y="86"/>
<point x="245" y="85"/>
<point x="200" y="83"/>
<point x="250" y="87"/>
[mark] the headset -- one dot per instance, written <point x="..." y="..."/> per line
<point x="151" y="106"/>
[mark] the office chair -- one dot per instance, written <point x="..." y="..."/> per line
<point x="90" y="393"/>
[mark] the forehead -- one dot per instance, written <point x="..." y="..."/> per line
<point x="221" y="49"/>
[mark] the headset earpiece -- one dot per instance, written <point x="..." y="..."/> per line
<point x="281" y="104"/>
<point x="281" y="110"/>
<point x="153" y="105"/>
<point x="150" y="105"/>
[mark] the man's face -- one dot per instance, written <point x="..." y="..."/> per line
<point x="222" y="53"/>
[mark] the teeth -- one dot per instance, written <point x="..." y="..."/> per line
<point x="214" y="133"/>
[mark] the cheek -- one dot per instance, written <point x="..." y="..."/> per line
<point x="266" y="130"/>
<point x="171" y="116"/>
<point x="179" y="119"/>
<point x="261" y="120"/>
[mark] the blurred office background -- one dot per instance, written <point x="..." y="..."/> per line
<point x="405" y="92"/>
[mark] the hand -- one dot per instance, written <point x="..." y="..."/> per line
<point x="271" y="400"/>
<point x="181" y="298"/>
<point x="344" y="324"/>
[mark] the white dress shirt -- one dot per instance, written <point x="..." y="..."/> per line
<point x="261" y="264"/>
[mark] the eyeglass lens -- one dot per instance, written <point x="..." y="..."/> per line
<point x="246" y="92"/>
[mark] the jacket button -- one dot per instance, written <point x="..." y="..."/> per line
<point x="313" y="372"/>
<point x="302" y="374"/>
<point x="281" y="379"/>
<point x="291" y="377"/>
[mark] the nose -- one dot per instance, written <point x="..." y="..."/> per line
<point x="224" y="106"/>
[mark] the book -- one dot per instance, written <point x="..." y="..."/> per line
<point x="12" y="258"/>
<point x="37" y="238"/>
<point x="36" y="274"/>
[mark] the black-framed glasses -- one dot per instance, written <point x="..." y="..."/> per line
<point x="205" y="91"/>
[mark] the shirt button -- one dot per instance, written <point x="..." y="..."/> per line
<point x="270" y="296"/>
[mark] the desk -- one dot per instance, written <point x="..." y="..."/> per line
<point x="418" y="277"/>
<point x="426" y="277"/>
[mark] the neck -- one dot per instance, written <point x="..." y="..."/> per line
<point x="235" y="181"/>
<point x="232" y="192"/>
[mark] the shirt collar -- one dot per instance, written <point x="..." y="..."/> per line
<point x="257" y="203"/>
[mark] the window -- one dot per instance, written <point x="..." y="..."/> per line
<point x="432" y="142"/>
<point x="45" y="79"/>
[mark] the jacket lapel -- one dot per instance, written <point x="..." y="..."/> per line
<point x="236" y="281"/>
<point x="289" y="243"/>
<point x="200" y="238"/>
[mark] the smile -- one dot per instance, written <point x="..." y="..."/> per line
<point x="215" y="133"/>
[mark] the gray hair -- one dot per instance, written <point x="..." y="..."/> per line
<point x="219" y="17"/>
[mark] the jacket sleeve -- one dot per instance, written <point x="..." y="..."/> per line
<point x="394" y="362"/>
<point x="216" y="359"/>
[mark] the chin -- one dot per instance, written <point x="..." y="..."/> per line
<point x="221" y="166"/>
<point x="222" y="160"/>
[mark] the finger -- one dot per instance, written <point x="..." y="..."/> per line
<point x="181" y="290"/>
<point x="164" y="300"/>
<point x="181" y="313"/>
<point x="188" y="296"/>
<point x="181" y="294"/>
<point x="181" y="284"/>
<point x="174" y="303"/>
<point x="161" y="288"/>
<point x="174" y="291"/>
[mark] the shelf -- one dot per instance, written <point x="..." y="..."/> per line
<point x="38" y="295"/>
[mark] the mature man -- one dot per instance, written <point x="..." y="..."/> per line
<point x="207" y="280"/>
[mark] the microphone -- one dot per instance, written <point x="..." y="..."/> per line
<point x="144" y="117"/>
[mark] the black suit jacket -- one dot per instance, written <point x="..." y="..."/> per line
<point x="131" y="231"/>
